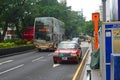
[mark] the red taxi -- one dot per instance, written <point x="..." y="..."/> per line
<point x="68" y="51"/>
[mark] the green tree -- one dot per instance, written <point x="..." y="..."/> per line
<point x="12" y="12"/>
<point x="22" y="13"/>
<point x="89" y="27"/>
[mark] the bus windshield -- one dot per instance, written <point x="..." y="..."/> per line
<point x="42" y="30"/>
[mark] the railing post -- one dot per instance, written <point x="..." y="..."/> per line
<point x="88" y="74"/>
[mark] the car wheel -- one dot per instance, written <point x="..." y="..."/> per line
<point x="77" y="61"/>
<point x="39" y="50"/>
<point x="80" y="57"/>
<point x="55" y="62"/>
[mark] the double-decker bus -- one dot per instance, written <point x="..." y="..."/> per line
<point x="28" y="33"/>
<point x="49" y="31"/>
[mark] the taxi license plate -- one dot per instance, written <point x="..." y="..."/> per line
<point x="64" y="58"/>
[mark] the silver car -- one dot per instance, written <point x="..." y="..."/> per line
<point x="76" y="39"/>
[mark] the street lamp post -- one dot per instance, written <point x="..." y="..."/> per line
<point x="104" y="10"/>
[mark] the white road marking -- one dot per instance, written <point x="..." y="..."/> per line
<point x="6" y="62"/>
<point x="37" y="59"/>
<point x="11" y="69"/>
<point x="50" y="54"/>
<point x="56" y="65"/>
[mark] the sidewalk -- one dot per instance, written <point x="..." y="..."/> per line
<point x="95" y="74"/>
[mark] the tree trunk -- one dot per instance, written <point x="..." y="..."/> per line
<point x="17" y="30"/>
<point x="0" y="37"/>
<point x="4" y="31"/>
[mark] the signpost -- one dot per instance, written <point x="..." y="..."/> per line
<point x="95" y="19"/>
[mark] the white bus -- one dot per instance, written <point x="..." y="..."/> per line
<point x="49" y="31"/>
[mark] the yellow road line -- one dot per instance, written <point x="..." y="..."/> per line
<point x="80" y="66"/>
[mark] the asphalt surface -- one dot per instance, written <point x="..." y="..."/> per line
<point x="36" y="65"/>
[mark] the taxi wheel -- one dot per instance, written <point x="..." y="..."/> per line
<point x="80" y="57"/>
<point x="55" y="62"/>
<point x="77" y="61"/>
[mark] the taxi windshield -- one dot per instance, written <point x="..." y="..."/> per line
<point x="66" y="45"/>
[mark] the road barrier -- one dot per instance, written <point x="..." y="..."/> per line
<point x="80" y="69"/>
<point x="10" y="51"/>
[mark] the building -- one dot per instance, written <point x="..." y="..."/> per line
<point x="112" y="10"/>
<point x="115" y="4"/>
<point x="108" y="11"/>
<point x="10" y="33"/>
<point x="101" y="12"/>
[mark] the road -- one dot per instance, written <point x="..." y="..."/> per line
<point x="35" y="65"/>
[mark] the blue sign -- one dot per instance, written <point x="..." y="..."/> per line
<point x="115" y="66"/>
<point x="108" y="49"/>
<point x="112" y="26"/>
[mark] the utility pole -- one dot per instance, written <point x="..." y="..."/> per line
<point x="104" y="10"/>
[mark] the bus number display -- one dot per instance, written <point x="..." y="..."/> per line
<point x="43" y="30"/>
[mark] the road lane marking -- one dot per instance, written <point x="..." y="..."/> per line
<point x="6" y="62"/>
<point x="11" y="69"/>
<point x="56" y="65"/>
<point x="50" y="54"/>
<point x="37" y="59"/>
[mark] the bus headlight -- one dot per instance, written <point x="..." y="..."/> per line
<point x="51" y="45"/>
<point x="37" y="46"/>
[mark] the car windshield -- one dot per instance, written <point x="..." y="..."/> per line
<point x="75" y="39"/>
<point x="66" y="45"/>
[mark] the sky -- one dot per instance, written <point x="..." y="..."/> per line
<point x="88" y="6"/>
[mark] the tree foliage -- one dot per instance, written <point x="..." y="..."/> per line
<point x="22" y="13"/>
<point x="89" y="27"/>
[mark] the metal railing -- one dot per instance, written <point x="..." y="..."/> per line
<point x="88" y="74"/>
